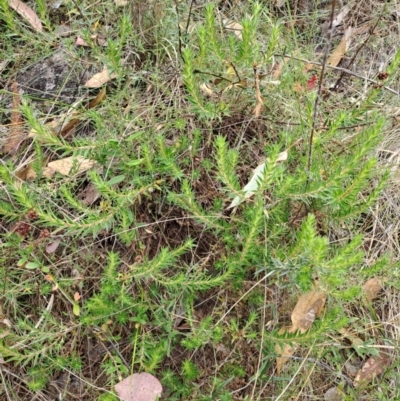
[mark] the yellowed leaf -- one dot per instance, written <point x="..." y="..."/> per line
<point x="373" y="367"/>
<point x="343" y="46"/>
<point x="26" y="12"/>
<point x="371" y="288"/>
<point x="307" y="309"/>
<point x="100" y="79"/>
<point x="64" y="166"/>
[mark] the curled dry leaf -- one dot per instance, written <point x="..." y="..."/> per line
<point x="100" y="79"/>
<point x="64" y="166"/>
<point x="207" y="90"/>
<point x="371" y="288"/>
<point x="139" y="387"/>
<point x="373" y="367"/>
<point x="26" y="12"/>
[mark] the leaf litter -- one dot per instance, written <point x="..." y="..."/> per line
<point x="16" y="133"/>
<point x="26" y="12"/>
<point x="308" y="307"/>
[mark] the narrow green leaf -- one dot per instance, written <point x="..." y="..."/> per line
<point x="116" y="180"/>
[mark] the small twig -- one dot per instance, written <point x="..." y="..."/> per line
<point x="237" y="74"/>
<point x="179" y="30"/>
<point x="317" y="99"/>
<point x="343" y="73"/>
<point x="213" y="75"/>
<point x="81" y="13"/>
<point x="189" y="17"/>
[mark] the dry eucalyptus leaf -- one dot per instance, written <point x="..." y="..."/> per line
<point x="26" y="12"/>
<point x="235" y="27"/>
<point x="307" y="309"/>
<point x="371" y="288"/>
<point x="16" y="132"/>
<point x="251" y="187"/>
<point x="284" y="352"/>
<point x="341" y="49"/>
<point x="372" y="368"/>
<point x="139" y="387"/>
<point x="63" y="166"/>
<point x="100" y="79"/>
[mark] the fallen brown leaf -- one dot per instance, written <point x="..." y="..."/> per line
<point x="26" y="12"/>
<point x="100" y="79"/>
<point x="371" y="288"/>
<point x="373" y="367"/>
<point x="341" y="49"/>
<point x="64" y="166"/>
<point x="16" y="134"/>
<point x="26" y="173"/>
<point x="89" y="195"/>
<point x="307" y="309"/>
<point x="284" y="352"/>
